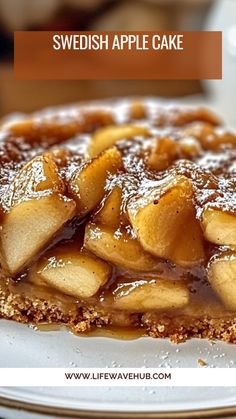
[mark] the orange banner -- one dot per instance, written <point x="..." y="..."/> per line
<point x="117" y="55"/>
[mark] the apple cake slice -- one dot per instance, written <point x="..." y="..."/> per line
<point x="120" y="214"/>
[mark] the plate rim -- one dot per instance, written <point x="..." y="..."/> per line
<point x="63" y="412"/>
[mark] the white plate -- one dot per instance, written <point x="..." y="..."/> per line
<point x="22" y="346"/>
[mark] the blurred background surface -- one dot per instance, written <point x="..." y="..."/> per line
<point x="116" y="15"/>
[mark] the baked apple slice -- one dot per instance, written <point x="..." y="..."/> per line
<point x="110" y="213"/>
<point x="166" y="225"/>
<point x="117" y="248"/>
<point x="39" y="177"/>
<point x="222" y="277"/>
<point x="73" y="272"/>
<point x="88" y="184"/>
<point x="53" y="131"/>
<point x="156" y="294"/>
<point x="35" y="210"/>
<point x="209" y="137"/>
<point x="165" y="151"/>
<point x="58" y="128"/>
<point x="108" y="136"/>
<point x="219" y="227"/>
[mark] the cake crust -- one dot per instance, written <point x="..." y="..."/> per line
<point x="86" y="319"/>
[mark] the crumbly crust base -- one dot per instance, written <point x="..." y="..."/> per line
<point x="35" y="310"/>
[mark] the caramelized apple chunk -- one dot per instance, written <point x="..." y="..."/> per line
<point x="222" y="277"/>
<point x="39" y="177"/>
<point x="108" y="136"/>
<point x="156" y="294"/>
<point x="190" y="147"/>
<point x="87" y="185"/>
<point x="53" y="131"/>
<point x="166" y="225"/>
<point x="110" y="213"/>
<point x="138" y="110"/>
<point x="166" y="151"/>
<point x="29" y="226"/>
<point x="58" y="128"/>
<point x="35" y="210"/>
<point x="163" y="154"/>
<point x="182" y="116"/>
<point x="117" y="248"/>
<point x="209" y="137"/>
<point x="219" y="227"/>
<point x="72" y="272"/>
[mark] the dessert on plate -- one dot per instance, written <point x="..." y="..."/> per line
<point x="120" y="214"/>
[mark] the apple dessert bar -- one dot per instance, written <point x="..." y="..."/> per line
<point x="120" y="214"/>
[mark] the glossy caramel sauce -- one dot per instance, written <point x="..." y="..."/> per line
<point x="120" y="333"/>
<point x="67" y="133"/>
